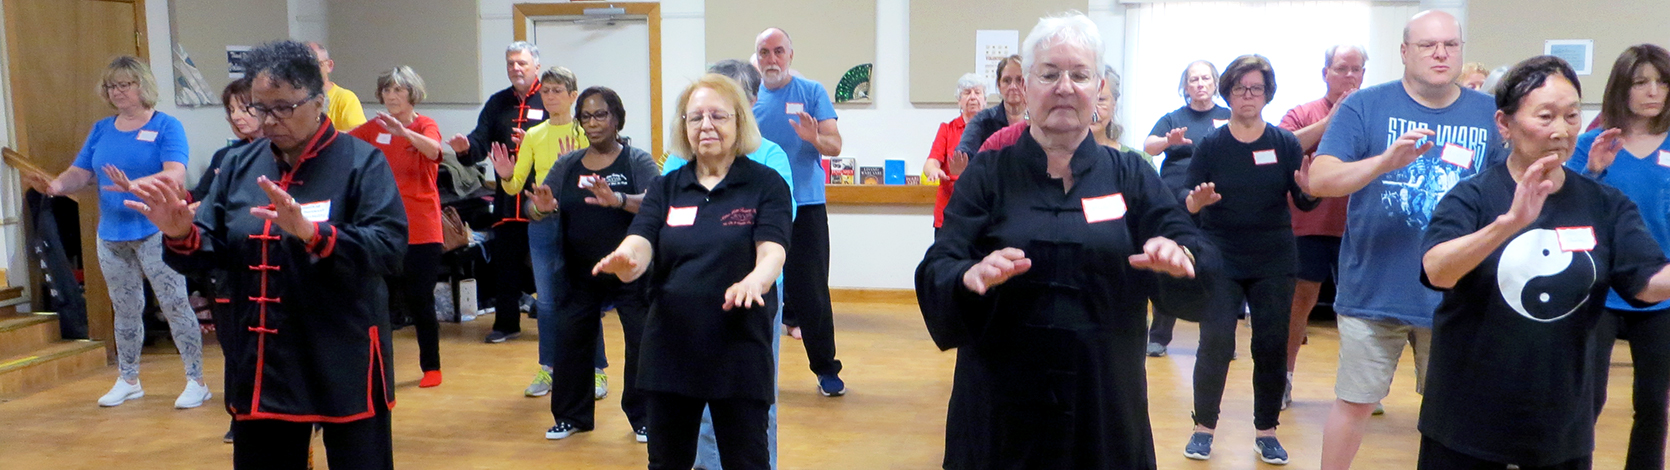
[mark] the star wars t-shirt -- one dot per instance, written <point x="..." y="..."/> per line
<point x="1510" y="379"/>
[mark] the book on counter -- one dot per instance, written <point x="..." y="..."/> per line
<point x="913" y="180"/>
<point x="843" y="170"/>
<point x="872" y="175"/>
<point x="895" y="171"/>
<point x="828" y="176"/>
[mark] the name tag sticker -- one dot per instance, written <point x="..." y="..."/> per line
<point x="1664" y="158"/>
<point x="794" y="108"/>
<point x="1105" y="208"/>
<point x="317" y="211"/>
<point x="1457" y="155"/>
<point x="586" y="181"/>
<point x="1576" y="238"/>
<point x="536" y="114"/>
<point x="147" y="136"/>
<point x="384" y="138"/>
<point x="681" y="216"/>
<point x="1264" y="157"/>
<point x="1219" y="122"/>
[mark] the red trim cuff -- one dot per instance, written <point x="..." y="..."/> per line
<point x="324" y="240"/>
<point x="187" y="245"/>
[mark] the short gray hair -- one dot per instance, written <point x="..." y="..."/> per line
<point x="523" y="46"/>
<point x="1071" y="26"/>
<point x="1328" y="55"/>
<point x="969" y="81"/>
<point x="404" y="77"/>
<point x="744" y="73"/>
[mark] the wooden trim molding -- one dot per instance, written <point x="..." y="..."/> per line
<point x="875" y="194"/>
<point x="866" y="295"/>
<point x="523" y="12"/>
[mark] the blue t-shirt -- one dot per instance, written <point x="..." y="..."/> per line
<point x="138" y="153"/>
<point x="1380" y="255"/>
<point x="775" y="125"/>
<point x="1645" y="179"/>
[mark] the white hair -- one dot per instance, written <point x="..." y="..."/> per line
<point x="1328" y="55"/>
<point x="523" y="46"/>
<point x="1070" y="27"/>
<point x="969" y="81"/>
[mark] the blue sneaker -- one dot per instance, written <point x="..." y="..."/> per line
<point x="1270" y="451"/>
<point x="831" y="385"/>
<point x="1200" y="446"/>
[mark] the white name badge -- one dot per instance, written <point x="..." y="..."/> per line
<point x="586" y="181"/>
<point x="1457" y="155"/>
<point x="1664" y="158"/>
<point x="1105" y="208"/>
<point x="1219" y="122"/>
<point x="536" y="114"/>
<point x="1264" y="157"/>
<point x="681" y="216"/>
<point x="1576" y="238"/>
<point x="794" y="108"/>
<point x="317" y="211"/>
<point x="384" y="138"/>
<point x="147" y="136"/>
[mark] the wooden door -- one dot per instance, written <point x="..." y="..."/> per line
<point x="58" y="50"/>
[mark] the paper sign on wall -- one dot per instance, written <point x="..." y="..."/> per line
<point x="1580" y="53"/>
<point x="990" y="47"/>
<point x="235" y="61"/>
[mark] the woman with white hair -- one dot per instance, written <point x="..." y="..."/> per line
<point x="1039" y="276"/>
<point x="944" y="163"/>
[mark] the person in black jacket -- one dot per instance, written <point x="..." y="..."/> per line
<point x="306" y="222"/>
<point x="1011" y="82"/>
<point x="505" y="117"/>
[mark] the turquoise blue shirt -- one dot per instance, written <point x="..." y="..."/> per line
<point x="138" y="153"/>
<point x="1646" y="182"/>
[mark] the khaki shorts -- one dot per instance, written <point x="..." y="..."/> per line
<point x="1368" y="354"/>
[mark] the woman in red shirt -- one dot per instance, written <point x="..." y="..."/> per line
<point x="412" y="144"/>
<point x="944" y="163"/>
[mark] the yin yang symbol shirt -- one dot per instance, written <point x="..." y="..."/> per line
<point x="1509" y="377"/>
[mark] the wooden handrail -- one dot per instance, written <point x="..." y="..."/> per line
<point x="21" y="162"/>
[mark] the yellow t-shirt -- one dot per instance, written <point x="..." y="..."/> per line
<point x="540" y="149"/>
<point x="345" y="111"/>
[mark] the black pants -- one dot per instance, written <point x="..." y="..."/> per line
<point x="282" y="445"/>
<point x="1271" y="301"/>
<point x="806" y="288"/>
<point x="1435" y="456"/>
<point x="1650" y="351"/>
<point x="739" y="426"/>
<point x="578" y="334"/>
<point x="1159" y="331"/>
<point x="416" y="288"/>
<point x="513" y="275"/>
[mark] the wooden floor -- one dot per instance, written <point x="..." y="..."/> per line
<point x="893" y="417"/>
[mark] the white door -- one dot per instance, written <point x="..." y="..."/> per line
<point x="612" y="54"/>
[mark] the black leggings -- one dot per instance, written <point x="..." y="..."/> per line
<point x="512" y="274"/>
<point x="1271" y="302"/>
<point x="739" y="426"/>
<point x="1650" y="351"/>
<point x="806" y="288"/>
<point x="366" y="444"/>
<point x="578" y="328"/>
<point x="416" y="286"/>
<point x="1435" y="456"/>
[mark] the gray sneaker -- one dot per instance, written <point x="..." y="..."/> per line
<point x="1156" y="350"/>
<point x="1287" y="396"/>
<point x="541" y="385"/>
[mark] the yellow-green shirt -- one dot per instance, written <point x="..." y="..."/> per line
<point x="540" y="149"/>
<point x="345" y="111"/>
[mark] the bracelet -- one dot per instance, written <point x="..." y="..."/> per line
<point x="620" y="200"/>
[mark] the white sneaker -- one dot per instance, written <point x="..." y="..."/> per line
<point x="193" y="396"/>
<point x="121" y="392"/>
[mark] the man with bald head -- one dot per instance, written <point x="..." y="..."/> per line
<point x="796" y="113"/>
<point x="1395" y="148"/>
<point x="345" y="111"/>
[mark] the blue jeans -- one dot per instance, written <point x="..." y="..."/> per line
<point x="707" y="447"/>
<point x="545" y="247"/>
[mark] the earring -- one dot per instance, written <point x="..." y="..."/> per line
<point x="1026" y="115"/>
<point x="1095" y="116"/>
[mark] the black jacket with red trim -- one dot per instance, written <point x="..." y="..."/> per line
<point x="307" y="337"/>
<point x="504" y="111"/>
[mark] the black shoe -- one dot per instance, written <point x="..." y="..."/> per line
<point x="496" y="336"/>
<point x="228" y="438"/>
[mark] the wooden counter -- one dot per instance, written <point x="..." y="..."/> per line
<point x="877" y="194"/>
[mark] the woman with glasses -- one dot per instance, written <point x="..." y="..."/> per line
<point x="138" y="140"/>
<point x="590" y="197"/>
<point x="1041" y="277"/>
<point x="716" y="230"/>
<point x="412" y="144"/>
<point x="1175" y="135"/>
<point x="1243" y="175"/>
<point x="307" y="223"/>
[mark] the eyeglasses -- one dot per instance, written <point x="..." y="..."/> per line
<point x="601" y="116"/>
<point x="1080" y="77"/>
<point x="1255" y="90"/>
<point x="1343" y="70"/>
<point x="120" y="86"/>
<point x="1430" y="47"/>
<point x="718" y="118"/>
<point x="283" y="111"/>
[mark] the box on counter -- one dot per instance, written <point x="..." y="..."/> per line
<point x="872" y="175"/>
<point x="843" y="170"/>
<point x="895" y="171"/>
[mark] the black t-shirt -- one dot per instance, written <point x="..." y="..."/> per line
<point x="1251" y="225"/>
<point x="593" y="231"/>
<point x="1510" y="377"/>
<point x="1175" y="170"/>
<point x="704" y="242"/>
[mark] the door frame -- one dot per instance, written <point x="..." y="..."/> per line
<point x="524" y="13"/>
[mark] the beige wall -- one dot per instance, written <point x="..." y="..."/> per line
<point x="437" y="38"/>
<point x="206" y="27"/>
<point x="1504" y="32"/>
<point x="829" y="37"/>
<point x="942" y="38"/>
